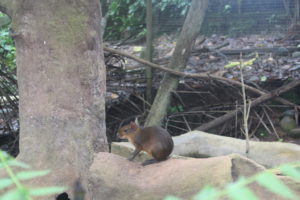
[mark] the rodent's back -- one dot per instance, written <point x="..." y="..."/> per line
<point x="156" y="141"/>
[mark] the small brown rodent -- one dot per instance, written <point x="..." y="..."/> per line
<point x="154" y="140"/>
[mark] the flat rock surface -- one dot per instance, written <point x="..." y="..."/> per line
<point x="114" y="177"/>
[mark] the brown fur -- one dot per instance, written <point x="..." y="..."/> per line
<point x="154" y="140"/>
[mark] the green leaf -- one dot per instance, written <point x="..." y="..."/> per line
<point x="290" y="171"/>
<point x="180" y="108"/>
<point x="5" y="182"/>
<point x="24" y="175"/>
<point x="5" y="155"/>
<point x="16" y="195"/>
<point x="272" y="183"/>
<point x="244" y="193"/>
<point x="47" y="191"/>
<point x="239" y="191"/>
<point x="137" y="49"/>
<point x="171" y="198"/>
<point x="263" y="78"/>
<point x="8" y="47"/>
<point x="4" y="20"/>
<point x="207" y="193"/>
<point x="16" y="163"/>
<point x="232" y="64"/>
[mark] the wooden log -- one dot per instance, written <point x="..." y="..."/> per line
<point x="202" y="145"/>
<point x="268" y="154"/>
<point x="113" y="177"/>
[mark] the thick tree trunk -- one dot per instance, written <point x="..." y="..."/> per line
<point x="182" y="51"/>
<point x="61" y="77"/>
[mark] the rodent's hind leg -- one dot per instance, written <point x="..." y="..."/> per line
<point x="149" y="162"/>
<point x="135" y="153"/>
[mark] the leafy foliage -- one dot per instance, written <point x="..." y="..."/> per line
<point x="126" y="18"/>
<point x="8" y="90"/>
<point x="174" y="6"/>
<point x="21" y="192"/>
<point x="7" y="48"/>
<point x="239" y="190"/>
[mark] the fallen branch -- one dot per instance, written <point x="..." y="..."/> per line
<point x="201" y="144"/>
<point x="254" y="103"/>
<point x="236" y="52"/>
<point x="258" y="50"/>
<point x="196" y="75"/>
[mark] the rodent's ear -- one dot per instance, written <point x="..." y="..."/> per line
<point x="133" y="125"/>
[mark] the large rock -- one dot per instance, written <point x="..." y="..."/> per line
<point x="125" y="149"/>
<point x="268" y="154"/>
<point x="201" y="145"/>
<point x="113" y="177"/>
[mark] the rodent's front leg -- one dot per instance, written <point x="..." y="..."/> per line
<point x="135" y="153"/>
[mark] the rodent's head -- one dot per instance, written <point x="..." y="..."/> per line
<point x="128" y="131"/>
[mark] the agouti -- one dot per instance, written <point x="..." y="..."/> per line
<point x="154" y="140"/>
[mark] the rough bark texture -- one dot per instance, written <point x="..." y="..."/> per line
<point x="61" y="77"/>
<point x="182" y="51"/>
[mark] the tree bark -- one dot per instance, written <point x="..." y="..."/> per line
<point x="61" y="79"/>
<point x="149" y="49"/>
<point x="190" y="31"/>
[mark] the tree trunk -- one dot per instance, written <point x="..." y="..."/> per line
<point x="297" y="11"/>
<point x="286" y="4"/>
<point x="190" y="31"/>
<point x="149" y="49"/>
<point x="61" y="78"/>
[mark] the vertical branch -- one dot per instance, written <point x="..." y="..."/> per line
<point x="246" y="109"/>
<point x="286" y="4"/>
<point x="149" y="49"/>
<point x="104" y="11"/>
<point x="297" y="10"/>
<point x="190" y="31"/>
<point x="239" y="3"/>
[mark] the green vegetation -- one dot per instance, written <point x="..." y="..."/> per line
<point x="239" y="190"/>
<point x="7" y="50"/>
<point x="126" y="18"/>
<point x="20" y="191"/>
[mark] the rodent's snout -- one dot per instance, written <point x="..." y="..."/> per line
<point x="119" y="136"/>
